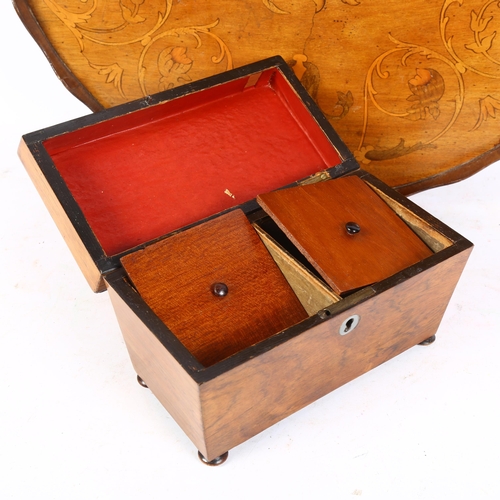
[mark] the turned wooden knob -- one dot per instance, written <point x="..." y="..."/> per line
<point x="352" y="228"/>
<point x="220" y="289"/>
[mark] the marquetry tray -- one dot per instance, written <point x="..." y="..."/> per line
<point x="412" y="89"/>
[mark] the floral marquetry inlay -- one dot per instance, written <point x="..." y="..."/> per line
<point x="413" y="90"/>
<point x="133" y="44"/>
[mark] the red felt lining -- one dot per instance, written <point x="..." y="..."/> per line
<point x="138" y="177"/>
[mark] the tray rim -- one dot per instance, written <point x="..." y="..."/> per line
<point x="67" y="77"/>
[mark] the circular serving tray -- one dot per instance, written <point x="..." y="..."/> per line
<point x="412" y="90"/>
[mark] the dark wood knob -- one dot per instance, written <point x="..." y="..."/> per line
<point x="352" y="228"/>
<point x="220" y="289"/>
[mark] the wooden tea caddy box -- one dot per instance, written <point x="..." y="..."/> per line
<point x="241" y="302"/>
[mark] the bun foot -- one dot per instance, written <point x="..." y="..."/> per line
<point x="141" y="382"/>
<point x="428" y="341"/>
<point x="216" y="461"/>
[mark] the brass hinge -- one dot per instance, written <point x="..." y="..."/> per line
<point x="318" y="177"/>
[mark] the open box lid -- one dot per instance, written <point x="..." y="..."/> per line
<point x="118" y="179"/>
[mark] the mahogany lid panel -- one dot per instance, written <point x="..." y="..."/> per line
<point x="216" y="287"/>
<point x="347" y="232"/>
<point x="417" y="106"/>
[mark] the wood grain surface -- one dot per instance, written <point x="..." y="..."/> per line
<point x="175" y="277"/>
<point x="63" y="222"/>
<point x="412" y="90"/>
<point x="232" y="400"/>
<point x="314" y="217"/>
<point x="169" y="381"/>
<point x="255" y="395"/>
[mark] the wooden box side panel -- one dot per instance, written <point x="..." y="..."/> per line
<point x="248" y="399"/>
<point x="63" y="223"/>
<point x="166" y="378"/>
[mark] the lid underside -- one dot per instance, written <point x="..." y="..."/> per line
<point x="140" y="174"/>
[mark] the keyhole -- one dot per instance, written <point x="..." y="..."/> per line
<point x="349" y="324"/>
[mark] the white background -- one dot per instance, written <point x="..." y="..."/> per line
<point x="74" y="423"/>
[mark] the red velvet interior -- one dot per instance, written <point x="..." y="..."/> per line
<point x="160" y="172"/>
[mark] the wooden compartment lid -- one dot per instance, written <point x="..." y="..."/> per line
<point x="346" y="231"/>
<point x="215" y="286"/>
<point x="134" y="173"/>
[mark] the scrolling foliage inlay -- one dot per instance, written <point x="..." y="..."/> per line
<point x="412" y="90"/>
<point x="132" y="45"/>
